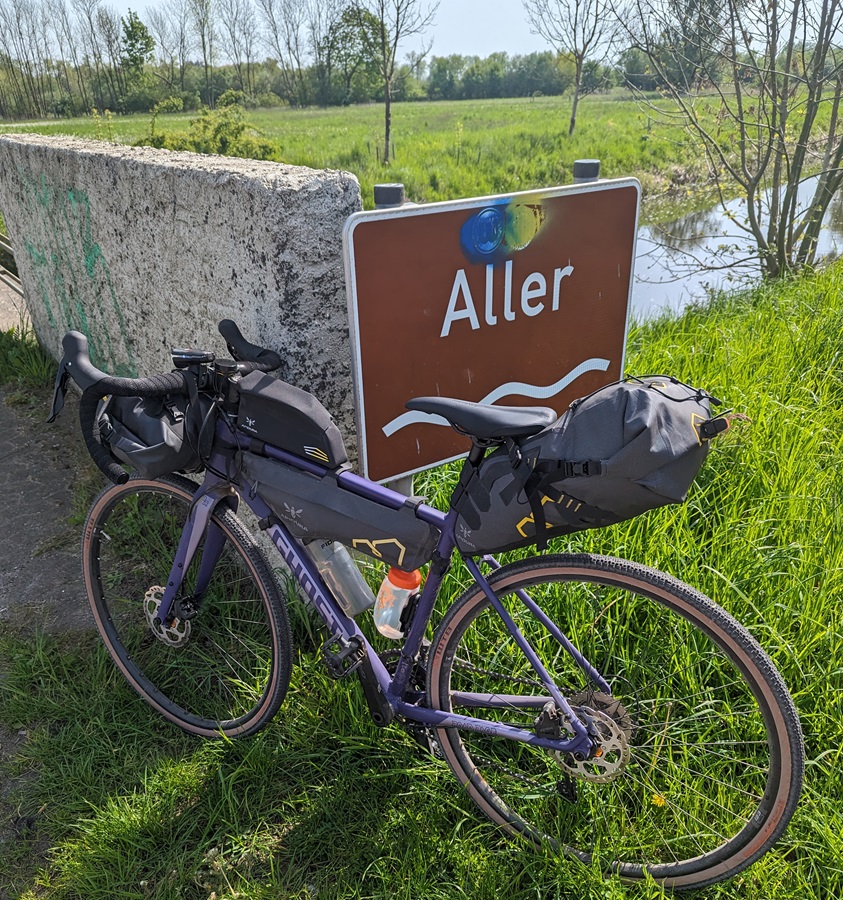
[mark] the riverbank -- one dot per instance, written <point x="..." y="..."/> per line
<point x="116" y="803"/>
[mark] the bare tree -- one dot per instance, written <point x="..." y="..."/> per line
<point x="285" y="34"/>
<point x="86" y="12"/>
<point x="21" y="22"/>
<point x="759" y="87"/>
<point x="202" y="15"/>
<point x="384" y="25"/>
<point x="323" y="18"/>
<point x="68" y="44"/>
<point x="110" y="32"/>
<point x="250" y="38"/>
<point x="231" y="14"/>
<point x="161" y="28"/>
<point x="575" y="28"/>
<point x="178" y="14"/>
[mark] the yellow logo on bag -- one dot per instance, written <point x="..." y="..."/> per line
<point x="317" y="453"/>
<point x="363" y="544"/>
<point x="530" y="520"/>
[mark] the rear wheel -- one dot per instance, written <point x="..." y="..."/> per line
<point x="222" y="668"/>
<point x="702" y="749"/>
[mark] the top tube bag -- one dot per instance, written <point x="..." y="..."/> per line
<point x="281" y="414"/>
<point x="627" y="448"/>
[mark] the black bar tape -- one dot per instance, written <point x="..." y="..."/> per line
<point x="151" y="386"/>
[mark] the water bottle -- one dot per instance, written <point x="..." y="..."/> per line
<point x="393" y="596"/>
<point x="342" y="576"/>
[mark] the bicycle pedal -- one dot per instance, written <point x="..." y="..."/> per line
<point x="343" y="657"/>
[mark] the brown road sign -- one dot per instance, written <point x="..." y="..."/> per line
<point x="514" y="300"/>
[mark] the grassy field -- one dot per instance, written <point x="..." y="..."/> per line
<point x="447" y="150"/>
<point x="324" y="805"/>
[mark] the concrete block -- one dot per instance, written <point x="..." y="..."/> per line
<point x="145" y="249"/>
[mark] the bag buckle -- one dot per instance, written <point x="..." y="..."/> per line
<point x="712" y="427"/>
<point x="583" y="467"/>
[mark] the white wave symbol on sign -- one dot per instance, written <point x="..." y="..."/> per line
<point x="511" y="388"/>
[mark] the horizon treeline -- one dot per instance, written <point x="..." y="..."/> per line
<point x="68" y="57"/>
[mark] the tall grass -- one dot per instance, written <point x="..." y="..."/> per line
<point x="444" y="150"/>
<point x="22" y="360"/>
<point x="322" y="804"/>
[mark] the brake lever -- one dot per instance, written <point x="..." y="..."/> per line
<point x="59" y="391"/>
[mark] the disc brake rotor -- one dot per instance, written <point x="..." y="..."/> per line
<point x="614" y="752"/>
<point x="177" y="633"/>
<point x="615" y="728"/>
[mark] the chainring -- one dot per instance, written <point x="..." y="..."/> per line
<point x="425" y="737"/>
<point x="177" y="633"/>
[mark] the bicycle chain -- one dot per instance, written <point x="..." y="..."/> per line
<point x="514" y="679"/>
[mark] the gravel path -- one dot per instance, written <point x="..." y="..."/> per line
<point x="40" y="575"/>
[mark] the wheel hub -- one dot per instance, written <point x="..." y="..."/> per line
<point x="177" y="633"/>
<point x="615" y="729"/>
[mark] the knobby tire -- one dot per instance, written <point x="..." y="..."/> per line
<point x="229" y="669"/>
<point x="715" y="751"/>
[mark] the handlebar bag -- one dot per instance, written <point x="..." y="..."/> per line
<point x="627" y="448"/>
<point x="287" y="417"/>
<point x="155" y="436"/>
<point x="319" y="507"/>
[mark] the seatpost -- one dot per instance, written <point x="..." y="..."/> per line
<point x="477" y="452"/>
<point x="469" y="470"/>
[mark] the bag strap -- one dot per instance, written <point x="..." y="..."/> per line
<point x="574" y="512"/>
<point x="196" y="423"/>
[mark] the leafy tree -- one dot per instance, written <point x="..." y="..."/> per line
<point x="384" y="25"/>
<point x="445" y="77"/>
<point x="138" y="45"/>
<point x="636" y="72"/>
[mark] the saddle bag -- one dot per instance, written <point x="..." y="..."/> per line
<point x="287" y="417"/>
<point x="627" y="448"/>
<point x="319" y="507"/>
<point x="157" y="436"/>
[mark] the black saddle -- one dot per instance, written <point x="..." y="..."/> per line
<point x="486" y="422"/>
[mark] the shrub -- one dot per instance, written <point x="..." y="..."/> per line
<point x="223" y="132"/>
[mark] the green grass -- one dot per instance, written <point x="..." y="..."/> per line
<point x="445" y="150"/>
<point x="23" y="362"/>
<point x="323" y="804"/>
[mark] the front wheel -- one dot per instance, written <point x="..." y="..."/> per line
<point x="224" y="667"/>
<point x="702" y="749"/>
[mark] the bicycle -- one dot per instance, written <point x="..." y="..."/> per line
<point x="586" y="704"/>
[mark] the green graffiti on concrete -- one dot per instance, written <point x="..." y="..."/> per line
<point x="74" y="281"/>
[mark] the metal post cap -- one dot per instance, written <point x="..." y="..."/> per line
<point x="586" y="170"/>
<point x="389" y="195"/>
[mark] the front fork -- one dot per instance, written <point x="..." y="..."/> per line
<point x="199" y="523"/>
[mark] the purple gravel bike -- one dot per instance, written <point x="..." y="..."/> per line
<point x="589" y="705"/>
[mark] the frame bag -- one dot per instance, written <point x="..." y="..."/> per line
<point x="313" y="506"/>
<point x="629" y="447"/>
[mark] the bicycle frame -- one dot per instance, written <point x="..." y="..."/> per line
<point x="387" y="691"/>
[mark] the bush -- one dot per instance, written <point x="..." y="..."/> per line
<point x="223" y="132"/>
<point x="231" y="98"/>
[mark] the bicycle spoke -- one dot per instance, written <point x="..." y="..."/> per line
<point x="687" y="761"/>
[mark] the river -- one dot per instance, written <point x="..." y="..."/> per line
<point x="682" y="261"/>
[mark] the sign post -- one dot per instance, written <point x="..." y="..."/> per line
<point x="513" y="300"/>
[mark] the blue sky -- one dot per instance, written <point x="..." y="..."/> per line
<point x="470" y="27"/>
<point x="482" y="27"/>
